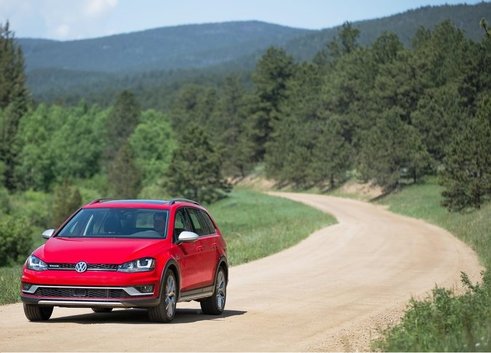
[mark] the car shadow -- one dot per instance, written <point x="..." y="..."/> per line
<point x="140" y="316"/>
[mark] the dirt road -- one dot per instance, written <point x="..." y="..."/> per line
<point x="330" y="292"/>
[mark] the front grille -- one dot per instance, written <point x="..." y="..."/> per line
<point x="61" y="266"/>
<point x="90" y="267"/>
<point x="81" y="293"/>
<point x="102" y="267"/>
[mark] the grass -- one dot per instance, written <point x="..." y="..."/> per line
<point x="9" y="284"/>
<point x="254" y="225"/>
<point x="445" y="321"/>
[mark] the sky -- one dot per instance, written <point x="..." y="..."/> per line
<point x="79" y="19"/>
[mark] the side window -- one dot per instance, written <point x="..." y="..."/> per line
<point x="181" y="222"/>
<point x="200" y="222"/>
<point x="197" y="226"/>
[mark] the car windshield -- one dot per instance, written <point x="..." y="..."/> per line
<point x="117" y="223"/>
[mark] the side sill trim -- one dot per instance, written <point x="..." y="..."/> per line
<point x="196" y="294"/>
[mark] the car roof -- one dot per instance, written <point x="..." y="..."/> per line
<point x="138" y="203"/>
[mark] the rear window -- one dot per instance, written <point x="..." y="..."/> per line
<point x="117" y="223"/>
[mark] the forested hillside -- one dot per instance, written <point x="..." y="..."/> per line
<point x="167" y="48"/>
<point x="404" y="25"/>
<point x="155" y="63"/>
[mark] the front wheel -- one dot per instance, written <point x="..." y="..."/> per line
<point x="215" y="304"/>
<point x="37" y="313"/>
<point x="166" y="310"/>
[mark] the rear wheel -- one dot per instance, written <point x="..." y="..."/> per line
<point x="215" y="304"/>
<point x="166" y="310"/>
<point x="102" y="310"/>
<point x="37" y="313"/>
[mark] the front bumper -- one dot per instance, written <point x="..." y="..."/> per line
<point x="85" y="296"/>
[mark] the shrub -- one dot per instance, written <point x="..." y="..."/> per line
<point x="32" y="205"/>
<point x="15" y="240"/>
<point x="4" y="200"/>
<point x="445" y="322"/>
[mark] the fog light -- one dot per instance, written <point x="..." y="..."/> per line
<point x="145" y="289"/>
<point x="26" y="286"/>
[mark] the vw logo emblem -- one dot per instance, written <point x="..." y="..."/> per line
<point x="81" y="267"/>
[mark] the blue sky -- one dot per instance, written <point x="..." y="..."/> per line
<point x="77" y="19"/>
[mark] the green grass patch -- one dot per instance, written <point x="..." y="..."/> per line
<point x="9" y="284"/>
<point x="445" y="321"/>
<point x="256" y="225"/>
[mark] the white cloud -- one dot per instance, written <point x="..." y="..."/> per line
<point x="62" y="31"/>
<point x="58" y="19"/>
<point x="96" y="8"/>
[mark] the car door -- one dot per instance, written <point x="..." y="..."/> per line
<point x="206" y="247"/>
<point x="187" y="254"/>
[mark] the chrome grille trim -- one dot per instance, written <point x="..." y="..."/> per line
<point x="90" y="267"/>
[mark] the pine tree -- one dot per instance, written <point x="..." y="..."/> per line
<point x="121" y="123"/>
<point x="67" y="199"/>
<point x="273" y="71"/>
<point x="195" y="168"/>
<point x="466" y="176"/>
<point x="227" y="123"/>
<point x="476" y="80"/>
<point x="123" y="176"/>
<point x="332" y="155"/>
<point x="193" y="104"/>
<point x="484" y="25"/>
<point x="13" y="101"/>
<point x="392" y="149"/>
<point x="345" y="42"/>
<point x="288" y="156"/>
<point x="437" y="118"/>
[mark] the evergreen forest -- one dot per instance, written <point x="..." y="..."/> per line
<point x="382" y="113"/>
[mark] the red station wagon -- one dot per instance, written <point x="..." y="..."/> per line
<point x="129" y="254"/>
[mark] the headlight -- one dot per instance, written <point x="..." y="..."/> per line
<point x="36" y="264"/>
<point x="140" y="265"/>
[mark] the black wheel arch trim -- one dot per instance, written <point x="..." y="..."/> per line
<point x="170" y="263"/>
<point x="223" y="260"/>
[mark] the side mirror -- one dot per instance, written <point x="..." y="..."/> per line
<point x="48" y="233"/>
<point x="187" y="237"/>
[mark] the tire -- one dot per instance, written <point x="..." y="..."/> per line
<point x="37" y="313"/>
<point x="166" y="310"/>
<point x="215" y="304"/>
<point x="102" y="310"/>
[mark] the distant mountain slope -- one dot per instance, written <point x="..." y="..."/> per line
<point x="157" y="62"/>
<point x="405" y="25"/>
<point x="158" y="49"/>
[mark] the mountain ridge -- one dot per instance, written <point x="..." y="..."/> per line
<point x="159" y="48"/>
<point x="54" y="74"/>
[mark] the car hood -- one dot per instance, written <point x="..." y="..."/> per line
<point x="98" y="251"/>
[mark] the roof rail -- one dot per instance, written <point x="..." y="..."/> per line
<point x="173" y="201"/>
<point x="99" y="200"/>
